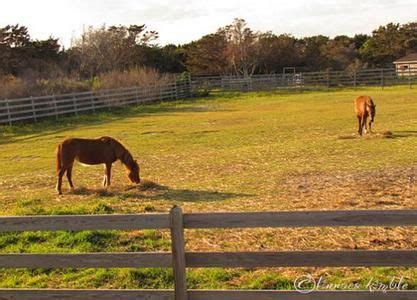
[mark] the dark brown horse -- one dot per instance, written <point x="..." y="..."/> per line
<point x="104" y="150"/>
<point x="364" y="108"/>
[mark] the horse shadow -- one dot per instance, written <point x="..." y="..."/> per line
<point x="404" y="134"/>
<point x="384" y="135"/>
<point x="152" y="191"/>
<point x="186" y="195"/>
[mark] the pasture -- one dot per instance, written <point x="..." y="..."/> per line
<point x="260" y="151"/>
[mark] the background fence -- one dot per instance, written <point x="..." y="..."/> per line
<point x="179" y="259"/>
<point x="308" y="80"/>
<point x="34" y="108"/>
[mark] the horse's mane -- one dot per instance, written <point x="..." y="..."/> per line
<point x="370" y="102"/>
<point x="120" y="150"/>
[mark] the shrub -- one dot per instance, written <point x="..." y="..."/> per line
<point x="134" y="77"/>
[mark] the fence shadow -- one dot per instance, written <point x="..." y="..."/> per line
<point x="50" y="126"/>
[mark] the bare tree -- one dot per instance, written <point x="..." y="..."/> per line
<point x="106" y="49"/>
<point x="242" y="47"/>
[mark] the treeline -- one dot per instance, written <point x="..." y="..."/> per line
<point x="233" y="49"/>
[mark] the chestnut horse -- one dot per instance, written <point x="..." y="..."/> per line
<point x="104" y="150"/>
<point x="364" y="108"/>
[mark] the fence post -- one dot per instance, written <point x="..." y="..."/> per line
<point x="137" y="95"/>
<point x="382" y="78"/>
<point x="328" y="79"/>
<point x="109" y="100"/>
<point x="178" y="253"/>
<point x="354" y="79"/>
<point x="33" y="109"/>
<point x="9" y="116"/>
<point x="55" y="106"/>
<point x="160" y="93"/>
<point x="189" y="87"/>
<point x="409" y="77"/>
<point x="92" y="98"/>
<point x="74" y="100"/>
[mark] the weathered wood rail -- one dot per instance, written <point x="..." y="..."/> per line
<point x="35" y="108"/>
<point x="307" y="80"/>
<point x="179" y="259"/>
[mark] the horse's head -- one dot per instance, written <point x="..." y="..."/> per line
<point x="133" y="172"/>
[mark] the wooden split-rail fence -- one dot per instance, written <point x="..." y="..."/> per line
<point x="36" y="108"/>
<point x="32" y="109"/>
<point x="306" y="80"/>
<point x="180" y="260"/>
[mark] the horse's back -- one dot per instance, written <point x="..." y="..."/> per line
<point x="87" y="142"/>
<point x="360" y="104"/>
<point x="88" y="151"/>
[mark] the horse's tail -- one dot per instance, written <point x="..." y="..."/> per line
<point x="58" y="158"/>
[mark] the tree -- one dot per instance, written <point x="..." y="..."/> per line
<point x="20" y="55"/>
<point x="115" y="48"/>
<point x="242" y="47"/>
<point x="170" y="59"/>
<point x="208" y="54"/>
<point x="14" y="40"/>
<point x="277" y="52"/>
<point x="312" y="57"/>
<point x="384" y="46"/>
<point x="408" y="33"/>
<point x="339" y="52"/>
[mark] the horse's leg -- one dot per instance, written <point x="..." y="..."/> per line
<point x="370" y="126"/>
<point x="61" y="173"/>
<point x="105" y="176"/>
<point x="359" y="125"/>
<point x="108" y="175"/>
<point x="69" y="176"/>
<point x="364" y="118"/>
<point x="363" y="122"/>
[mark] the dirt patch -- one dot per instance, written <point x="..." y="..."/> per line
<point x="147" y="185"/>
<point x="385" y="188"/>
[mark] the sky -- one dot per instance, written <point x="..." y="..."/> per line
<point x="182" y="21"/>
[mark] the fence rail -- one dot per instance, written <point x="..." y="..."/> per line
<point x="33" y="108"/>
<point x="307" y="80"/>
<point x="179" y="259"/>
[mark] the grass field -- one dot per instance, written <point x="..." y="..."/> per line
<point x="232" y="152"/>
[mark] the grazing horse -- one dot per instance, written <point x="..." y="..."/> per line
<point x="364" y="108"/>
<point x="104" y="150"/>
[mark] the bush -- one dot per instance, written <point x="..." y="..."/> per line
<point x="134" y="77"/>
<point x="15" y="87"/>
<point x="12" y="87"/>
